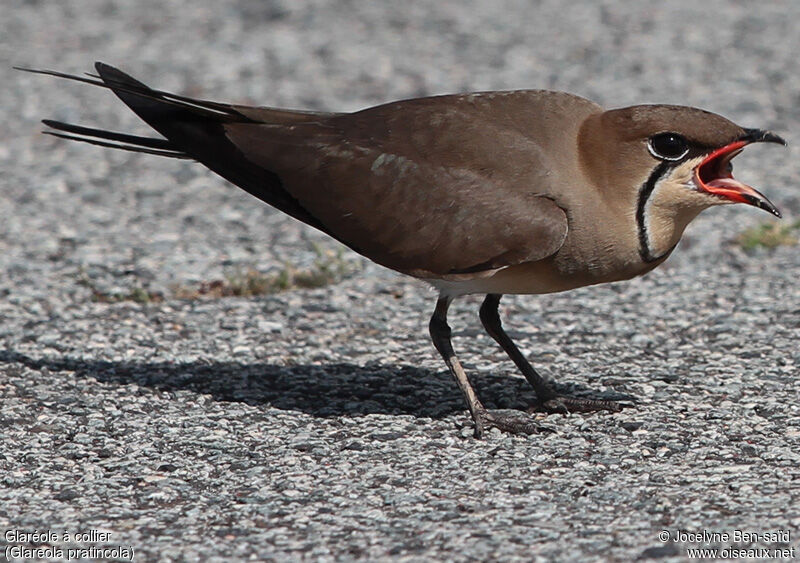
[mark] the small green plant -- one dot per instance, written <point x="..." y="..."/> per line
<point x="330" y="266"/>
<point x="136" y="294"/>
<point x="248" y="283"/>
<point x="769" y="235"/>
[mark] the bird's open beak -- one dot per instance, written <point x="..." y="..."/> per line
<point x="714" y="175"/>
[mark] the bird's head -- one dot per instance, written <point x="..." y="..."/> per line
<point x="665" y="164"/>
<point x="683" y="153"/>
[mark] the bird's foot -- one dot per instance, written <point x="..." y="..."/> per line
<point x="566" y="404"/>
<point x="507" y="420"/>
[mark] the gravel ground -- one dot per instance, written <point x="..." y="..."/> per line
<point x="320" y="424"/>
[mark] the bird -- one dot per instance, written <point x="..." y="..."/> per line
<point x="489" y="193"/>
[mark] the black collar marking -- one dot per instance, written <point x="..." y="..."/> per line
<point x="644" y="194"/>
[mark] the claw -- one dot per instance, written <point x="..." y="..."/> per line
<point x="507" y="420"/>
<point x="565" y="405"/>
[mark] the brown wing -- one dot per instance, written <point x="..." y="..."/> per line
<point x="432" y="187"/>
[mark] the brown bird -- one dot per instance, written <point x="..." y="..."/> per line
<point x="518" y="192"/>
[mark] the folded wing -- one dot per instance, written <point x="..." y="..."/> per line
<point x="424" y="186"/>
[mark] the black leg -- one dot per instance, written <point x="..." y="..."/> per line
<point x="548" y="398"/>
<point x="508" y="420"/>
<point x="490" y="317"/>
<point x="440" y="334"/>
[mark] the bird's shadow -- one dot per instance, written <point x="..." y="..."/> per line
<point x="325" y="390"/>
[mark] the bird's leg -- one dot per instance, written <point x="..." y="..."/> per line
<point x="549" y="399"/>
<point x="507" y="420"/>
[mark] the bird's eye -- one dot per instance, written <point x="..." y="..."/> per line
<point x="668" y="146"/>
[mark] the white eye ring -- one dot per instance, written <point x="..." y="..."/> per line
<point x="668" y="137"/>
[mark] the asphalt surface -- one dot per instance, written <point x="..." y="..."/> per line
<point x="319" y="423"/>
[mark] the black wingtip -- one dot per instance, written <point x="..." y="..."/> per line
<point x="109" y="71"/>
<point x="106" y="71"/>
<point x="114" y="78"/>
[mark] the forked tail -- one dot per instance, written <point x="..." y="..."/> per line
<point x="114" y="140"/>
<point x="192" y="129"/>
<point x="158" y="108"/>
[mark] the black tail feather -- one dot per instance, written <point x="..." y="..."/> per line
<point x="131" y="148"/>
<point x="114" y="140"/>
<point x="151" y="142"/>
<point x="129" y="85"/>
<point x="192" y="129"/>
<point x="163" y="110"/>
